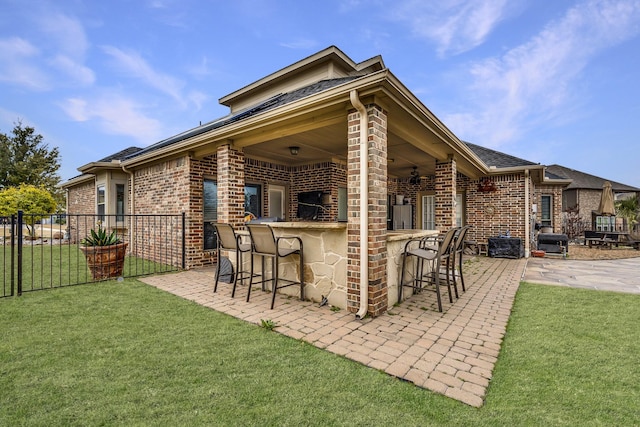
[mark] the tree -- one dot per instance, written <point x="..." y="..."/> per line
<point x="37" y="202"/>
<point x="26" y="159"/>
<point x="628" y="209"/>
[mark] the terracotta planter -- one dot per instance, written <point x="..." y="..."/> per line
<point x="538" y="253"/>
<point x="105" y="261"/>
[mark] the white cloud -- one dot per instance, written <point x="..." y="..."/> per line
<point x="134" y="65"/>
<point x="455" y="26"/>
<point x="116" y="115"/>
<point x="69" y="45"/>
<point x="198" y="99"/>
<point x="17" y="65"/>
<point x="532" y="83"/>
<point x="67" y="33"/>
<point x="79" y="73"/>
<point x="200" y="70"/>
<point x="76" y="108"/>
<point x="300" y="44"/>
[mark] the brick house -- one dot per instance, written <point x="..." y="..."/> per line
<point x="297" y="133"/>
<point x="583" y="196"/>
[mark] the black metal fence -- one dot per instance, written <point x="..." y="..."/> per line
<point x="46" y="251"/>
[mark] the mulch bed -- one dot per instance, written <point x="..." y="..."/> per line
<point x="584" y="252"/>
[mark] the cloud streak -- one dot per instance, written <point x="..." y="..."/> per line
<point x="132" y="64"/>
<point x="18" y="64"/>
<point x="455" y="26"/>
<point x="533" y="83"/>
<point x="115" y="115"/>
<point x="71" y="44"/>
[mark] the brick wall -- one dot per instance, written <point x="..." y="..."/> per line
<point x="377" y="180"/>
<point x="589" y="201"/>
<point x="81" y="199"/>
<point x="494" y="212"/>
<point x="445" y="189"/>
<point x="556" y="192"/>
<point x="166" y="188"/>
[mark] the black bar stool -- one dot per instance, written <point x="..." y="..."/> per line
<point x="230" y="241"/>
<point x="437" y="254"/>
<point x="457" y="252"/>
<point x="266" y="245"/>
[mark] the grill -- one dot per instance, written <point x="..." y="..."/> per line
<point x="553" y="243"/>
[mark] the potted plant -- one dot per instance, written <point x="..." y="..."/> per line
<point x="104" y="252"/>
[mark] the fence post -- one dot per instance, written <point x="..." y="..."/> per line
<point x="19" y="232"/>
<point x="184" y="241"/>
<point x="13" y="254"/>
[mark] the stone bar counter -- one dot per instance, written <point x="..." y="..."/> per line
<point x="325" y="259"/>
<point x="396" y="241"/>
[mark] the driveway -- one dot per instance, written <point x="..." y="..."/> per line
<point x="618" y="275"/>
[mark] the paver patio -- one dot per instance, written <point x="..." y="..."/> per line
<point x="452" y="353"/>
<point x="616" y="275"/>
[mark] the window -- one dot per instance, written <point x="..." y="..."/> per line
<point x="120" y="202"/>
<point x="210" y="212"/>
<point x="277" y="201"/>
<point x="428" y="212"/>
<point x="459" y="210"/>
<point x="101" y="197"/>
<point x="605" y="223"/>
<point x="546" y="217"/>
<point x="252" y="199"/>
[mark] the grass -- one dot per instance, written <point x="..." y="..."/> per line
<point x="123" y="353"/>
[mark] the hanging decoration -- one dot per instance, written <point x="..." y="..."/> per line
<point x="486" y="185"/>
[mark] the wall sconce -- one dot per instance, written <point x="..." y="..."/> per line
<point x="294" y="150"/>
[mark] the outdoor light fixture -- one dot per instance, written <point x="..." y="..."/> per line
<point x="294" y="150"/>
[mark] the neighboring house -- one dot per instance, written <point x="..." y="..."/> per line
<point x="103" y="187"/>
<point x="583" y="196"/>
<point x="290" y="148"/>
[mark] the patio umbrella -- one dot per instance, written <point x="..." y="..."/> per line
<point x="606" y="200"/>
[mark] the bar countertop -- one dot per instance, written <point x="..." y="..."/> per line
<point x="309" y="225"/>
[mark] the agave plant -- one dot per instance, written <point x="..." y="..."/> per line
<point x="101" y="237"/>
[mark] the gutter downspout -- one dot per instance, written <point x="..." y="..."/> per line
<point x="364" y="204"/>
<point x="527" y="220"/>
<point x="132" y="205"/>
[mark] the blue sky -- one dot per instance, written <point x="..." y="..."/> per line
<point x="548" y="81"/>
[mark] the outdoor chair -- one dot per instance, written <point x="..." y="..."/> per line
<point x="266" y="245"/>
<point x="437" y="254"/>
<point x="457" y="252"/>
<point x="230" y="241"/>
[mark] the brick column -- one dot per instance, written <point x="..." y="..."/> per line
<point x="377" y="205"/>
<point x="445" y="184"/>
<point x="230" y="176"/>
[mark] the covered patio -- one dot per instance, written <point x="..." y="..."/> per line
<point x="452" y="353"/>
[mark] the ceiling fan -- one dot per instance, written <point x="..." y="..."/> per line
<point x="415" y="176"/>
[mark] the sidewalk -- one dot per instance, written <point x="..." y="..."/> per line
<point x="452" y="353"/>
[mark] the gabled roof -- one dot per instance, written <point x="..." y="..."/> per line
<point x="327" y="64"/>
<point x="581" y="180"/>
<point x="497" y="159"/>
<point x="120" y="155"/>
<point x="109" y="162"/>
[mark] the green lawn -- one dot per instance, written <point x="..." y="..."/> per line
<point x="123" y="353"/>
